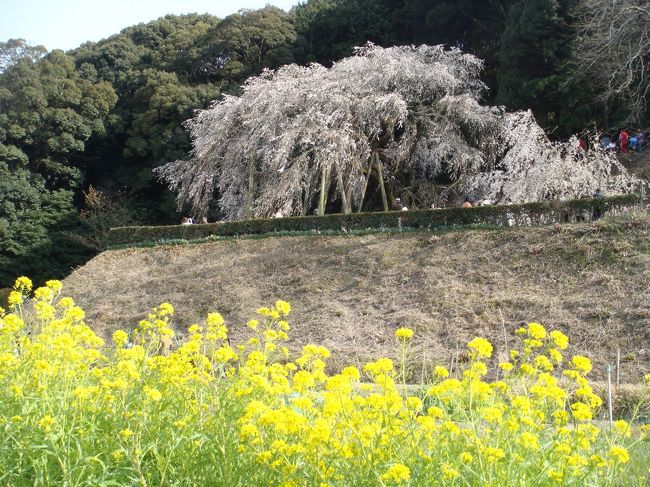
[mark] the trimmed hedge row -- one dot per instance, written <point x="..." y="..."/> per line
<point x="538" y="213"/>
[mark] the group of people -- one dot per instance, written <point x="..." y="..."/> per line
<point x="188" y="220"/>
<point x="468" y="202"/>
<point x="634" y="140"/>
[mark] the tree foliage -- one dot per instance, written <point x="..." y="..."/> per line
<point x="48" y="112"/>
<point x="108" y="112"/>
<point x="613" y="50"/>
<point x="14" y="50"/>
<point x="328" y="30"/>
<point x="32" y="221"/>
<point x="245" y="42"/>
<point x="534" y="45"/>
<point x="401" y="116"/>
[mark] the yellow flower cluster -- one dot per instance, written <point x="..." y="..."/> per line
<point x="203" y="412"/>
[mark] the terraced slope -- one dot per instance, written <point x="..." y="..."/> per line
<point x="350" y="293"/>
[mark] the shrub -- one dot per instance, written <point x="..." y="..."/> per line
<point x="526" y="214"/>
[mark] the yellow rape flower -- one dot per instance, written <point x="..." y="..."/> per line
<point x="581" y="411"/>
<point x="152" y="394"/>
<point x="560" y="340"/>
<point x="44" y="294"/>
<point x="619" y="454"/>
<point x="581" y="364"/>
<point x="561" y="417"/>
<point x="466" y="457"/>
<point x="404" y="333"/>
<point x="493" y="454"/>
<point x="543" y="363"/>
<point x="597" y="461"/>
<point x="522" y="403"/>
<point x="120" y="338"/>
<point x="528" y="441"/>
<point x="14" y="299"/>
<point x="46" y="423"/>
<point x="397" y="473"/>
<point x="492" y="415"/>
<point x="577" y="460"/>
<point x="449" y="472"/>
<point x="440" y="371"/>
<point x="225" y="354"/>
<point x="505" y="366"/>
<point x="164" y="309"/>
<point x="435" y="412"/>
<point x="23" y="284"/>
<point x="536" y="331"/>
<point x="555" y="355"/>
<point x="351" y="373"/>
<point x="528" y="369"/>
<point x="66" y="302"/>
<point x="622" y="428"/>
<point x="283" y="307"/>
<point x="303" y="380"/>
<point x="481" y="348"/>
<point x="54" y="285"/>
<point x="477" y="369"/>
<point x="126" y="433"/>
<point x="414" y="403"/>
<point x="214" y="319"/>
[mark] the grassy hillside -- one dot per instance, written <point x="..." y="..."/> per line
<point x="351" y="293"/>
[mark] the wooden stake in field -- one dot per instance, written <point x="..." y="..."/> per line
<point x="609" y="394"/>
<point x="618" y="367"/>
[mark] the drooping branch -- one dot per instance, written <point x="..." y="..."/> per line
<point x="613" y="49"/>
<point x="401" y="113"/>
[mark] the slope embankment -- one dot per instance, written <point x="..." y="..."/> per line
<point x="350" y="293"/>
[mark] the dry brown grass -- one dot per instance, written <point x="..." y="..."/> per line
<point x="351" y="293"/>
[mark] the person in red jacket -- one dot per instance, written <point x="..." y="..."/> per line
<point x="623" y="139"/>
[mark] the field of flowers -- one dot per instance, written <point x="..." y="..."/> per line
<point x="77" y="411"/>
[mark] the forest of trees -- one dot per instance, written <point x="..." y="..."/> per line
<point x="81" y="131"/>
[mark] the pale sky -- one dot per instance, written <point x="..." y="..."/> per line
<point x="65" y="24"/>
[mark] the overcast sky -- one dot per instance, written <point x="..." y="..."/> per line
<point x="65" y="24"/>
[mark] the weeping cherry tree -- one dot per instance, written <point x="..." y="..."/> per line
<point x="386" y="121"/>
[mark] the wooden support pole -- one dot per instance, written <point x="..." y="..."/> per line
<point x="365" y="186"/>
<point x="346" y="204"/>
<point x="323" y="191"/>
<point x="381" y="182"/>
<point x="251" y="187"/>
<point x="609" y="394"/>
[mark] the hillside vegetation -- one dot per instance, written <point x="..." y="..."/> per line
<point x="81" y="131"/>
<point x="351" y="293"/>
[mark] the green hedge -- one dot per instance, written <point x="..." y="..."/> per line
<point x="526" y="214"/>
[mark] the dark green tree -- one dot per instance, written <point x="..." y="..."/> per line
<point x="535" y="46"/>
<point x="48" y="112"/>
<point x="328" y="30"/>
<point x="33" y="222"/>
<point x="248" y="41"/>
<point x="475" y="26"/>
<point x="47" y="115"/>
